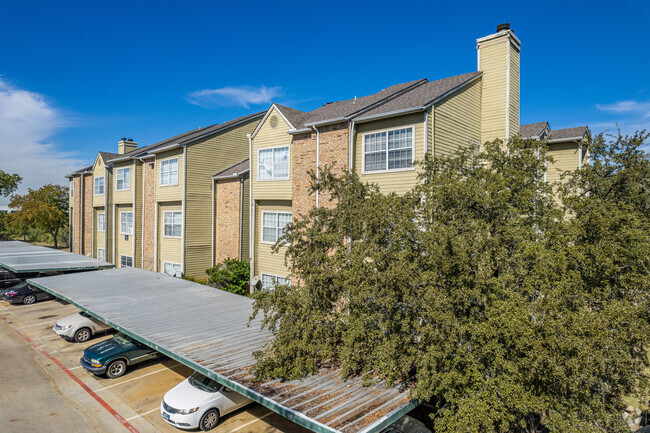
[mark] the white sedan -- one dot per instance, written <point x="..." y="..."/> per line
<point x="199" y="402"/>
<point x="79" y="327"/>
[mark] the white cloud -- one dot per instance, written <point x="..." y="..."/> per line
<point x="27" y="123"/>
<point x="243" y="96"/>
<point x="630" y="116"/>
<point x="628" y="107"/>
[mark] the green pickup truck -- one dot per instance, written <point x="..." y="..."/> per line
<point x="112" y="356"/>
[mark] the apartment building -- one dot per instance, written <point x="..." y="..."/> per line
<point x="381" y="135"/>
<point x="154" y="207"/>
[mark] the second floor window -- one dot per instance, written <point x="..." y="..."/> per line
<point x="101" y="222"/>
<point x="273" y="163"/>
<point x="388" y="150"/>
<point x="126" y="261"/>
<point x="123" y="177"/>
<point x="169" y="172"/>
<point x="273" y="225"/>
<point x="126" y="223"/>
<point x="173" y="222"/>
<point x="99" y="185"/>
<point x="270" y="281"/>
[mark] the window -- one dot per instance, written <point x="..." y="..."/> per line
<point x="169" y="172"/>
<point x="273" y="224"/>
<point x="72" y="189"/>
<point x="126" y="223"/>
<point x="100" y="254"/>
<point x="270" y="281"/>
<point x="123" y="179"/>
<point x="388" y="150"/>
<point x="101" y="222"/>
<point x="99" y="185"/>
<point x="273" y="163"/>
<point x="126" y="261"/>
<point x="173" y="222"/>
<point x="171" y="268"/>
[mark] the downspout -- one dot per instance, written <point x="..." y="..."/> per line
<point x="155" y="213"/>
<point x="81" y="216"/>
<point x="351" y="146"/>
<point x="426" y="132"/>
<point x="251" y="210"/>
<point x="184" y="207"/>
<point x="317" y="163"/>
<point x="241" y="216"/>
<point x="144" y="174"/>
<point x="114" y="240"/>
<point x="111" y="260"/>
<point x="133" y="239"/>
<point x="212" y="245"/>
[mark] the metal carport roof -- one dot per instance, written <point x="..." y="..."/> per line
<point x="208" y="330"/>
<point x="21" y="257"/>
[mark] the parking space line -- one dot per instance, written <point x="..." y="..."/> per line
<point x="259" y="418"/>
<point x="136" y="378"/>
<point x="143" y="414"/>
<point x="99" y="400"/>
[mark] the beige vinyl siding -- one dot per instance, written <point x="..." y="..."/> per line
<point x="457" y="120"/>
<point x="266" y="262"/>
<point x="98" y="171"/>
<point x="125" y="196"/>
<point x="397" y="181"/>
<point x="246" y="219"/>
<point x="122" y="246"/>
<point x="514" y="90"/>
<point x="99" y="240"/>
<point x="169" y="249"/>
<point x="204" y="159"/>
<point x="493" y="64"/>
<point x="267" y="137"/>
<point x="136" y="186"/>
<point x="565" y="157"/>
<point x="170" y="192"/>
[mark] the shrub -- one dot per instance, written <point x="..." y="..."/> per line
<point x="231" y="275"/>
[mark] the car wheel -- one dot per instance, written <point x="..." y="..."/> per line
<point x="82" y="335"/>
<point x="209" y="420"/>
<point x="29" y="299"/>
<point x="116" y="369"/>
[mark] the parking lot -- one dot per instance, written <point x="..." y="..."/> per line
<point x="130" y="402"/>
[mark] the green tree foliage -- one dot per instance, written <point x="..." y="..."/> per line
<point x="231" y="275"/>
<point x="506" y="305"/>
<point x="44" y="209"/>
<point x="8" y="183"/>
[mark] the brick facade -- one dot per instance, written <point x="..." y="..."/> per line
<point x="228" y="219"/>
<point x="149" y="220"/>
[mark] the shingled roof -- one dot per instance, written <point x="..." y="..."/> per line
<point x="575" y="133"/>
<point x="235" y="170"/>
<point x="295" y="117"/>
<point x="533" y="130"/>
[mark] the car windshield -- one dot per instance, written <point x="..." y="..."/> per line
<point x="19" y="286"/>
<point x="197" y="380"/>
<point x="83" y="314"/>
<point x="122" y="339"/>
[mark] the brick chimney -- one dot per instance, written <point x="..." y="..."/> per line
<point x="498" y="59"/>
<point x="126" y="145"/>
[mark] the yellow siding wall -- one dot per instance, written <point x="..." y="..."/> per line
<point x="268" y="136"/>
<point x="493" y="65"/>
<point x="204" y="159"/>
<point x="399" y="181"/>
<point x="122" y="246"/>
<point x="457" y="120"/>
<point x="98" y="171"/>
<point x="169" y="249"/>
<point x="265" y="261"/>
<point x="246" y="221"/>
<point x="125" y="196"/>
<point x="514" y="90"/>
<point x="565" y="157"/>
<point x="170" y="192"/>
<point x="99" y="241"/>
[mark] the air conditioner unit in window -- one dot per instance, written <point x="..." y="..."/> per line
<point x="126" y="237"/>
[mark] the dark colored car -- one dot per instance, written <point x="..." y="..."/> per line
<point x="25" y="294"/>
<point x="7" y="279"/>
<point x="112" y="356"/>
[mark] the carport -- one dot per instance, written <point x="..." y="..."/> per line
<point x="23" y="258"/>
<point x="208" y="330"/>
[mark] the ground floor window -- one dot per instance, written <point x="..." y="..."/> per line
<point x="171" y="268"/>
<point x="270" y="281"/>
<point x="126" y="261"/>
<point x="100" y="254"/>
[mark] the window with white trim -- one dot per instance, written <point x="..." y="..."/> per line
<point x="100" y="254"/>
<point x="126" y="261"/>
<point x="273" y="225"/>
<point x="123" y="179"/>
<point x="169" y="172"/>
<point x="388" y="150"/>
<point x="273" y="164"/>
<point x="126" y="223"/>
<point x="101" y="222"/>
<point x="99" y="185"/>
<point x="72" y="189"/>
<point x="171" y="268"/>
<point x="270" y="281"/>
<point x="173" y="224"/>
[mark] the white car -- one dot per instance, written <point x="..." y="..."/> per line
<point x="79" y="327"/>
<point x="199" y="402"/>
<point x="406" y="424"/>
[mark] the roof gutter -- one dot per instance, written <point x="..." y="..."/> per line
<point x="389" y="114"/>
<point x="326" y="121"/>
<point x="231" y="176"/>
<point x="560" y="140"/>
<point x="299" y="131"/>
<point x="165" y="148"/>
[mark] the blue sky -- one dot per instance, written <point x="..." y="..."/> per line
<point x="77" y="76"/>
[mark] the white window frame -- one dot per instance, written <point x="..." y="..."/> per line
<point x="276" y="225"/>
<point x="95" y="185"/>
<point x="274" y="178"/>
<point x="72" y="189"/>
<point x="121" y="216"/>
<point x="387" y="170"/>
<point x="101" y="227"/>
<point x="122" y="171"/>
<point x="172" y="225"/>
<point x="180" y="268"/>
<point x="101" y="256"/>
<point x="122" y="257"/>
<point x="276" y="277"/>
<point x="162" y="162"/>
